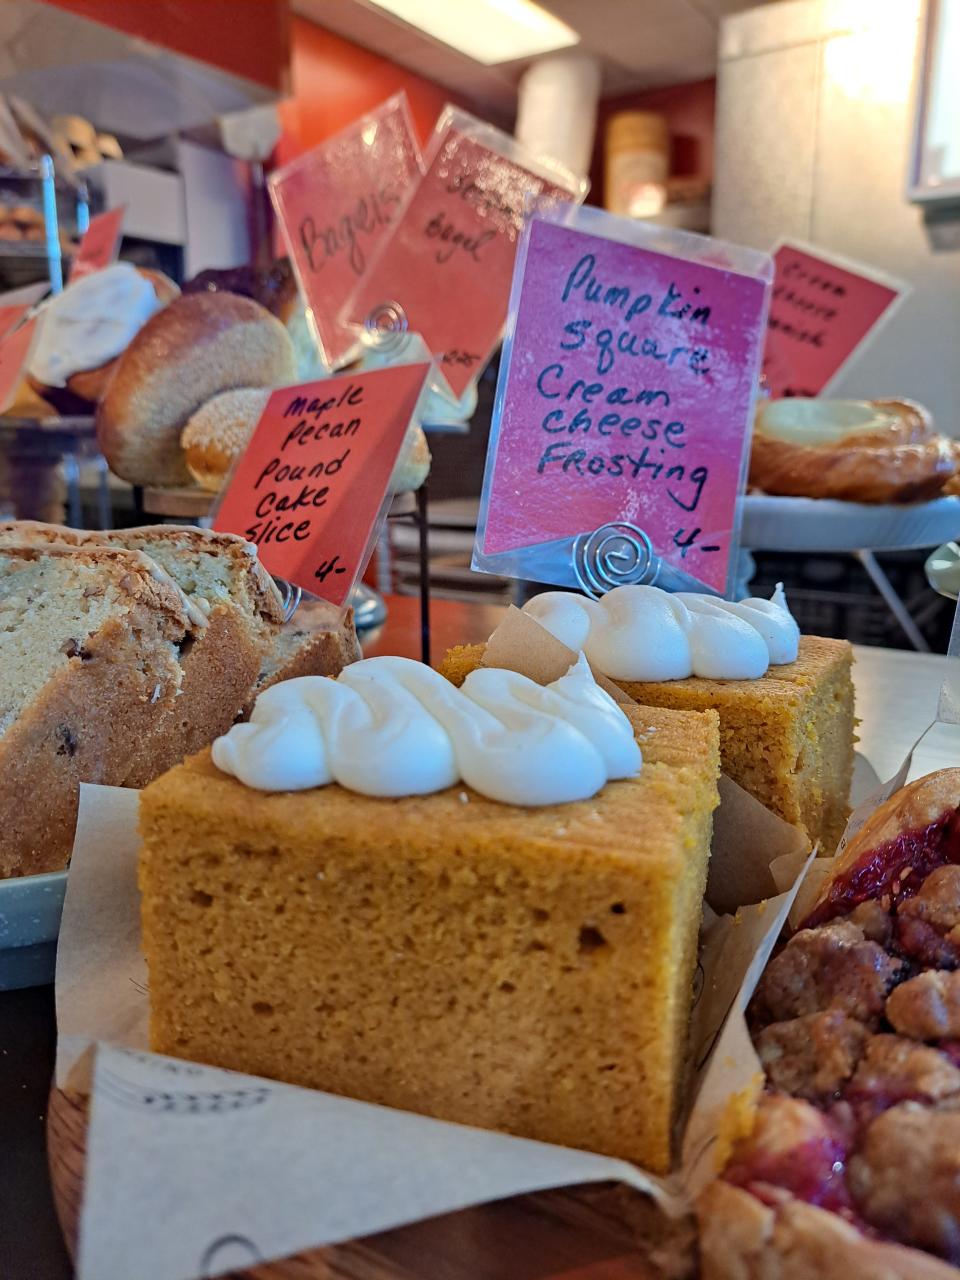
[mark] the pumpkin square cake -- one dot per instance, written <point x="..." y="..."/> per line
<point x="786" y="737"/>
<point x="523" y="969"/>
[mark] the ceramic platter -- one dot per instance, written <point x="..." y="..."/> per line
<point x="821" y="524"/>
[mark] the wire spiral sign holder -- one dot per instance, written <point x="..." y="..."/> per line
<point x="386" y="328"/>
<point x="620" y="554"/>
<point x="290" y="597"/>
<point x="614" y="555"/>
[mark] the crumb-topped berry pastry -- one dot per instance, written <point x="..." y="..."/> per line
<point x="853" y="1162"/>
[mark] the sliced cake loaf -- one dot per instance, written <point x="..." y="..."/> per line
<point x="89" y="664"/>
<point x="315" y="642"/>
<point x="222" y="577"/>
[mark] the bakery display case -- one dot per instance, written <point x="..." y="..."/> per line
<point x="599" y="924"/>
<point x="42" y="216"/>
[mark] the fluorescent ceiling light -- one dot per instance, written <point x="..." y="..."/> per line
<point x="489" y="31"/>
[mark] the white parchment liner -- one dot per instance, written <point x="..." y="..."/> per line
<point x="194" y="1171"/>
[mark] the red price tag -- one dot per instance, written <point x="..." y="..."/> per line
<point x="335" y="206"/>
<point x="10" y="317"/>
<point x="449" y="261"/>
<point x="821" y="311"/>
<point x="99" y="245"/>
<point x="311" y="483"/>
<point x="14" y="353"/>
<point x="626" y="395"/>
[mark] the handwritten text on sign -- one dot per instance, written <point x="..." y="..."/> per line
<point x="449" y="261"/>
<point x="820" y="312"/>
<point x="337" y="203"/>
<point x="627" y="398"/>
<point x="310" y="485"/>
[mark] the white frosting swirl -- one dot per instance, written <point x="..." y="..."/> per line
<point x="91" y="322"/>
<point x="393" y="727"/>
<point x="644" y="633"/>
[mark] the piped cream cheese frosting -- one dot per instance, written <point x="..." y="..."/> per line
<point x="91" y="322"/>
<point x="645" y="633"/>
<point x="393" y="727"/>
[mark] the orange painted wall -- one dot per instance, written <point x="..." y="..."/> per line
<point x="249" y="38"/>
<point x="335" y="81"/>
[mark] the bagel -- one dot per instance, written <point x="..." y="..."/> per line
<point x="198" y="346"/>
<point x="218" y="432"/>
<point x="873" y="451"/>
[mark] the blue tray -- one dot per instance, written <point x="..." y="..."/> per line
<point x="30" y="908"/>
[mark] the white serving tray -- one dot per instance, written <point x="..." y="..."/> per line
<point x="823" y="524"/>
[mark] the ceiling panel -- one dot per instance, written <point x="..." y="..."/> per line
<point x="641" y="43"/>
<point x="654" y="41"/>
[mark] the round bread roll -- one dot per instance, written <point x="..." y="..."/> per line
<point x="217" y="433"/>
<point x="201" y="344"/>
<point x="875" y="451"/>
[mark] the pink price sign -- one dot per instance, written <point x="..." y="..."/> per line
<point x="447" y="265"/>
<point x="99" y="244"/>
<point x="337" y="203"/>
<point x="823" y="308"/>
<point x="626" y="395"/>
<point x="15" y="346"/>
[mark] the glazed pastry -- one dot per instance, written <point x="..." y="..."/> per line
<point x="852" y="1162"/>
<point x="785" y="701"/>
<point x="489" y="916"/>
<point x="85" y="328"/>
<point x="200" y="345"/>
<point x="872" y="451"/>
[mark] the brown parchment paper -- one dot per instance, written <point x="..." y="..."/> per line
<point x="230" y="1157"/>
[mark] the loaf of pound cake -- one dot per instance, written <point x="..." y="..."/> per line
<point x="90" y="644"/>
<point x="319" y="640"/>
<point x="221" y="576"/>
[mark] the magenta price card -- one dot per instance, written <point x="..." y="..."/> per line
<point x="447" y="265"/>
<point x="626" y="396"/>
<point x="337" y="203"/>
<point x="823" y="309"/>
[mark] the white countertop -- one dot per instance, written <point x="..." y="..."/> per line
<point x="897" y="693"/>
